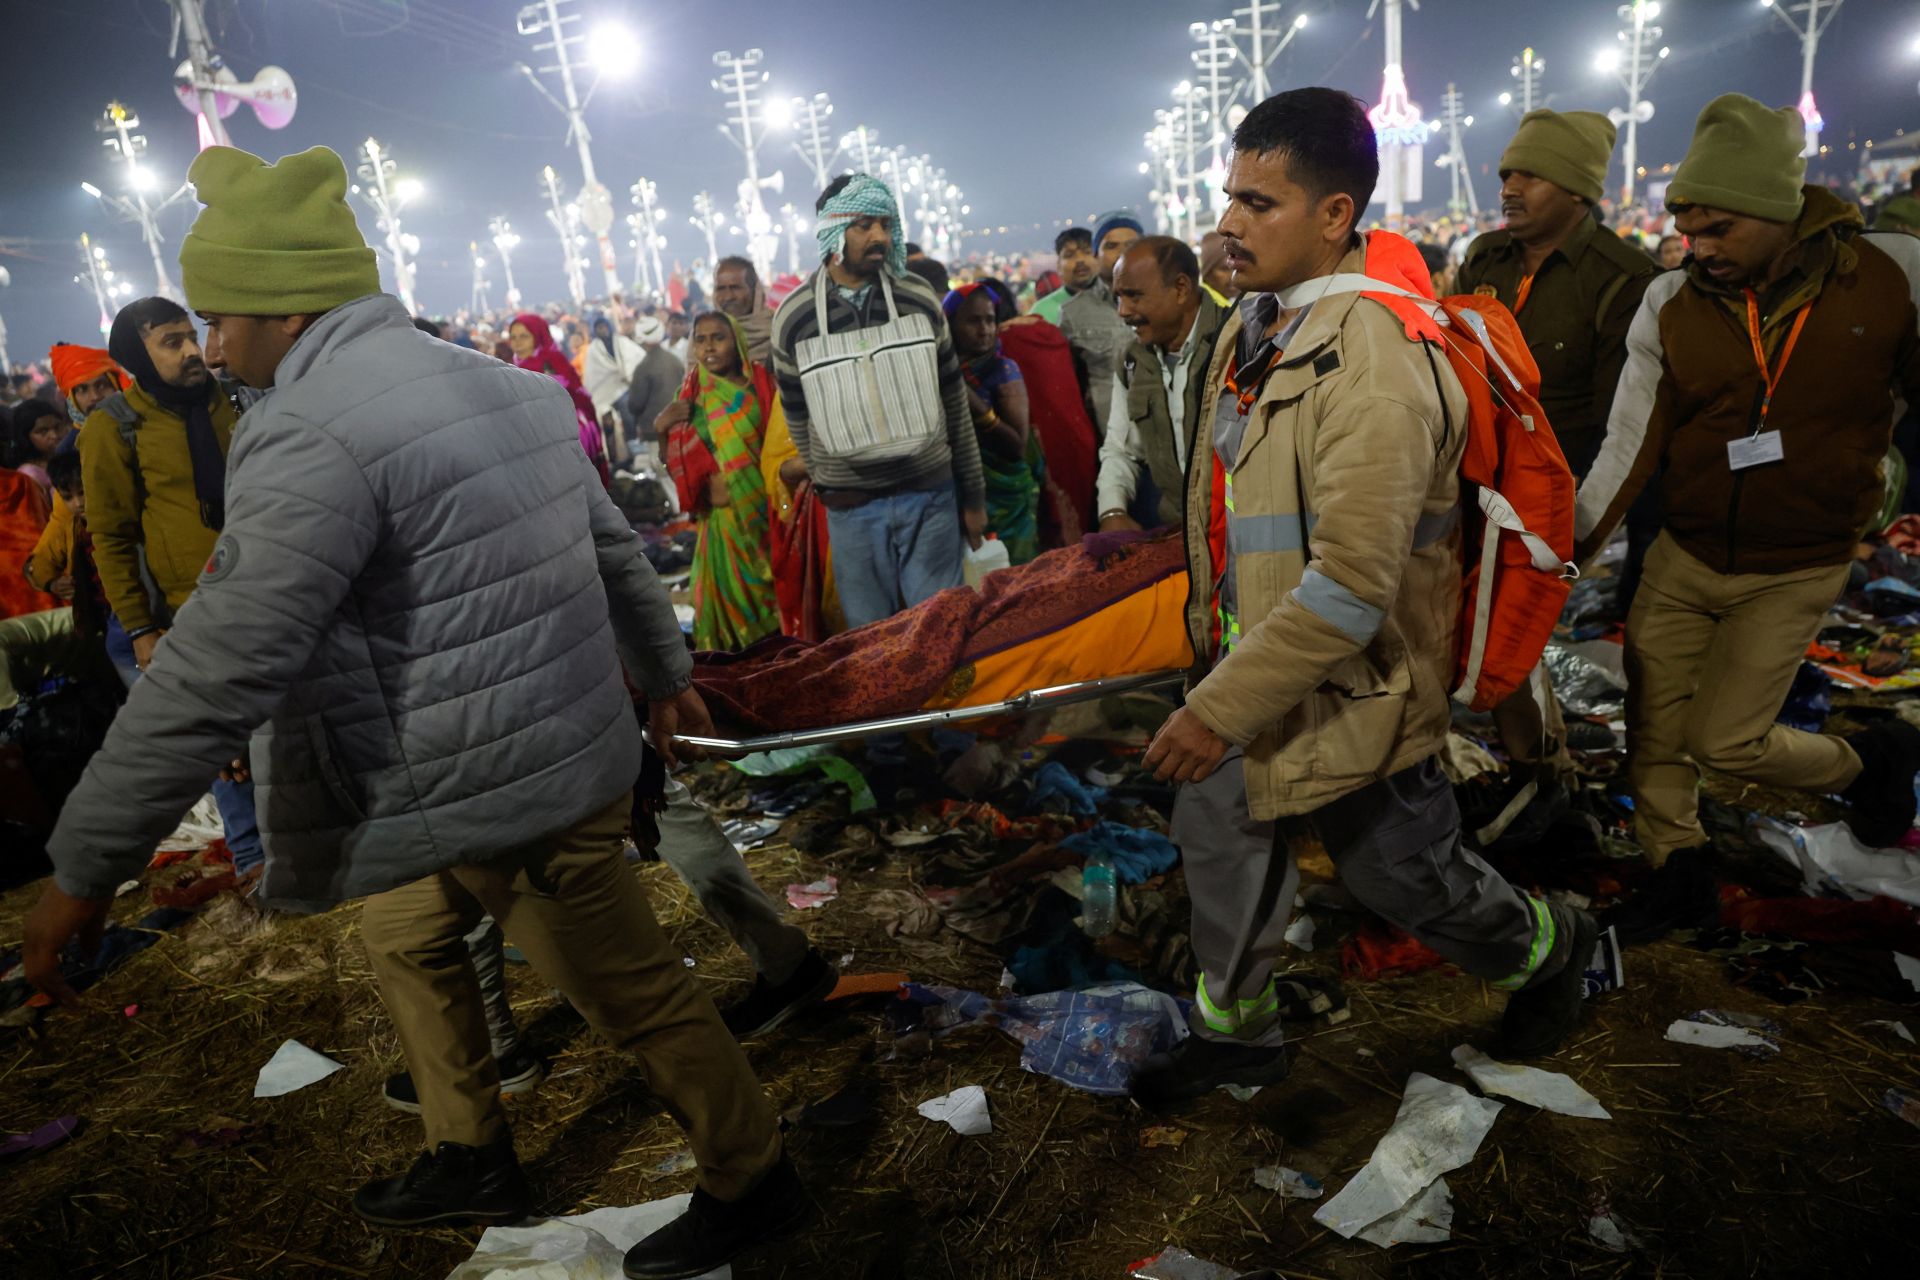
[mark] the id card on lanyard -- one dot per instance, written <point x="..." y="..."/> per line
<point x="1762" y="446"/>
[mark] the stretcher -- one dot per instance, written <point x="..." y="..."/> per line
<point x="1033" y="700"/>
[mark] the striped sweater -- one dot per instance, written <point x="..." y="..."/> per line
<point x="953" y="458"/>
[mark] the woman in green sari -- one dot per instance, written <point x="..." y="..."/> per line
<point x="1010" y="455"/>
<point x="713" y="453"/>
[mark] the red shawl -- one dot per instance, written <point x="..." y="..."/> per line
<point x="1059" y="415"/>
<point x="547" y="359"/>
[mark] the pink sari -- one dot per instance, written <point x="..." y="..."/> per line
<point x="547" y="359"/>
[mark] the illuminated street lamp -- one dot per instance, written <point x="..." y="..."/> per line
<point x="386" y="197"/>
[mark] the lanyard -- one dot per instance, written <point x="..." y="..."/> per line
<point x="1771" y="380"/>
<point x="1520" y="299"/>
<point x="1246" y="398"/>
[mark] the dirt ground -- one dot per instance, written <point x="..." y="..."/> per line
<point x="1722" y="1165"/>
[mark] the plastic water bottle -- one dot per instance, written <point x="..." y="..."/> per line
<point x="977" y="565"/>
<point x="1097" y="894"/>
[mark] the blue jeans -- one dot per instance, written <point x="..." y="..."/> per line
<point x="234" y="799"/>
<point x="895" y="551"/>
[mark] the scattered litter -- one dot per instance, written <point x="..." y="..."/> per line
<point x="1903" y="1104"/>
<point x="1300" y="933"/>
<point x="1175" y="1263"/>
<point x="1240" y="1092"/>
<point x="1605" y="972"/>
<point x="1427" y="1219"/>
<point x="749" y="833"/>
<point x="866" y="984"/>
<point x="1137" y="855"/>
<point x="50" y="1134"/>
<point x="1439" y="1127"/>
<point x="1547" y="1090"/>
<point x="965" y="1109"/>
<point x="1833" y="864"/>
<point x="1724" y="1029"/>
<point x="1163" y="1136"/>
<point x="133" y="1009"/>
<point x="818" y="894"/>
<point x="1909" y="969"/>
<point x="679" y="1162"/>
<point x="688" y="961"/>
<point x="1291" y="1183"/>
<point x="582" y="1246"/>
<point x="126" y="888"/>
<point x="1609" y="1232"/>
<point x="293" y="1066"/>
<point x="1898" y="1028"/>
<point x="1056" y="790"/>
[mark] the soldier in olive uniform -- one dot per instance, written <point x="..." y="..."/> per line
<point x="1574" y="287"/>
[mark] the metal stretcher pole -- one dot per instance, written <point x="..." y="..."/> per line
<point x="1034" y="700"/>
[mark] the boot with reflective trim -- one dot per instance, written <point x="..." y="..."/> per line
<point x="1541" y="1015"/>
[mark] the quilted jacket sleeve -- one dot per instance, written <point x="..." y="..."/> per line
<point x="301" y="524"/>
<point x="644" y="626"/>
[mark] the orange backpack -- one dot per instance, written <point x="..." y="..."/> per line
<point x="1516" y="489"/>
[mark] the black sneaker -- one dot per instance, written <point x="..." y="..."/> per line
<point x="454" y="1183"/>
<point x="712" y="1233"/>
<point x="1880" y="803"/>
<point x="1198" y="1066"/>
<point x="520" y="1072"/>
<point x="1541" y="1016"/>
<point x="767" y="1006"/>
<point x="1681" y="894"/>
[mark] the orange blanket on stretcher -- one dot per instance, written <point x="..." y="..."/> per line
<point x="1114" y="605"/>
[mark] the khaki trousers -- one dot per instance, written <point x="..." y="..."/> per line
<point x="1710" y="657"/>
<point x="575" y="909"/>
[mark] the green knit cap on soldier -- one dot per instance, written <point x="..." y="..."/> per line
<point x="274" y="239"/>
<point x="1745" y="158"/>
<point x="1570" y="149"/>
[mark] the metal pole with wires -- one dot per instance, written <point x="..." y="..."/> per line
<point x="1526" y="72"/>
<point x="1455" y="117"/>
<point x="204" y="65"/>
<point x="386" y="198"/>
<point x="1261" y="26"/>
<point x="118" y="123"/>
<point x="1214" y="62"/>
<point x="1809" y="33"/>
<point x="501" y="232"/>
<point x="707" y="217"/>
<point x="741" y="82"/>
<point x="651" y="215"/>
<point x="478" y="303"/>
<point x="1634" y="61"/>
<point x="553" y="19"/>
<point x="814" y="144"/>
<point x="562" y="219"/>
<point x="861" y="142"/>
<point x="97" y="274"/>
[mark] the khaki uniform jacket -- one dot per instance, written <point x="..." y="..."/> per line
<point x="1575" y="322"/>
<point x="1346" y="557"/>
<point x="1691" y="386"/>
<point x="155" y="512"/>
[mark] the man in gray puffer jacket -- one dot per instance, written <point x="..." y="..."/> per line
<point x="418" y="609"/>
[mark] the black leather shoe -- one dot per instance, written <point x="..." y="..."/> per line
<point x="453" y="1183"/>
<point x="1540" y="1017"/>
<point x="1198" y="1066"/>
<point x="767" y="1006"/>
<point x="711" y="1233"/>
<point x="1681" y="894"/>
<point x="1880" y="802"/>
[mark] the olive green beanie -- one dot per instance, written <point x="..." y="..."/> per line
<point x="273" y="239"/>
<point x="1902" y="213"/>
<point x="1745" y="158"/>
<point x="1570" y="149"/>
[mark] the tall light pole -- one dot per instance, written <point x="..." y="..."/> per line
<point x="790" y="222"/>
<point x="1456" y="119"/>
<point x="861" y="142"/>
<point x="119" y="123"/>
<point x="709" y="219"/>
<point x="651" y="215"/>
<point x="1214" y="62"/>
<point x="1526" y="72"/>
<point x="501" y="232"/>
<point x="613" y="52"/>
<point x="558" y="218"/>
<point x="741" y="82"/>
<point x="1398" y="126"/>
<point x="1267" y="36"/>
<point x="1634" y="61"/>
<point x="478" y="303"/>
<point x="386" y="198"/>
<point x="204" y="65"/>
<point x="1809" y="32"/>
<point x="814" y="144"/>
<point x="96" y="273"/>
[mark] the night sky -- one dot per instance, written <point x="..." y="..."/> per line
<point x="1035" y="107"/>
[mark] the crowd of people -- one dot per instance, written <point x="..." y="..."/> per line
<point x="389" y="569"/>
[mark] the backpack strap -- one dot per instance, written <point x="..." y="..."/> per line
<point x="128" y="422"/>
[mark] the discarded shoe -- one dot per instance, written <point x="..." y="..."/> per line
<point x="1681" y="894"/>
<point x="1880" y="802"/>
<point x="767" y="1007"/>
<point x="453" y="1183"/>
<point x="1197" y="1066"/>
<point x="713" y="1232"/>
<point x="520" y="1072"/>
<point x="1541" y="1016"/>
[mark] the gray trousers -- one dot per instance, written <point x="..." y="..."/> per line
<point x="692" y="843"/>
<point x="1396" y="846"/>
